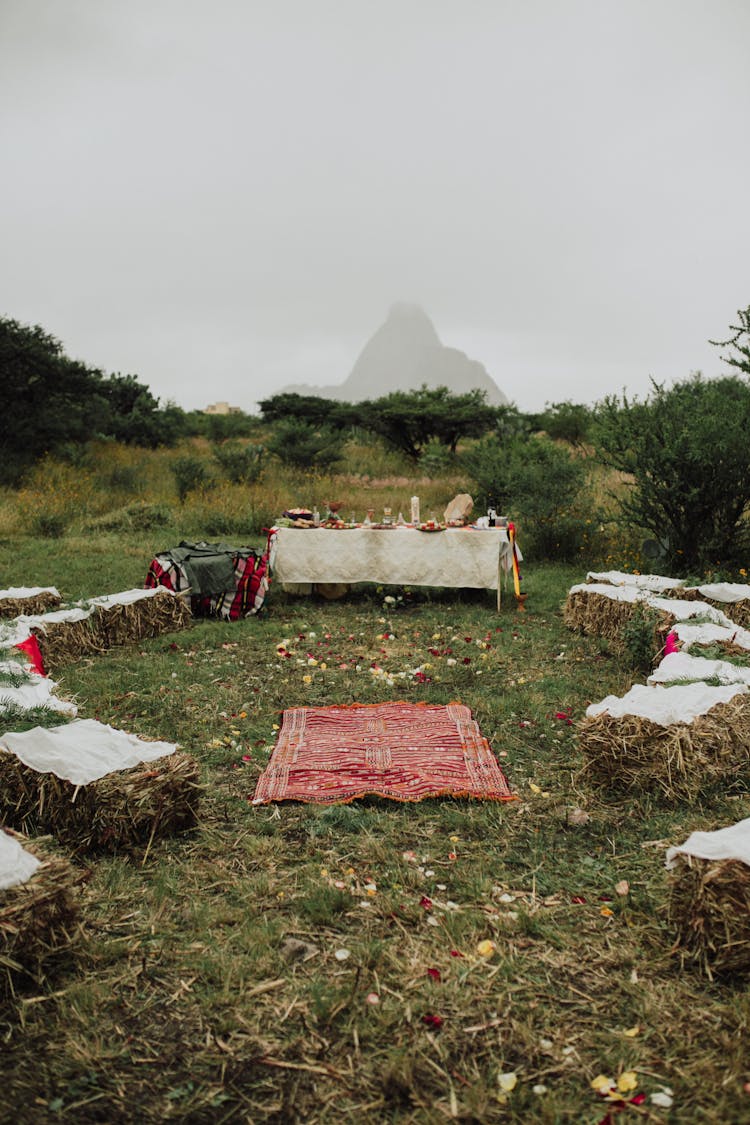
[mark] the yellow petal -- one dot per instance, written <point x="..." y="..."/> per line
<point x="602" y="1083"/>
<point x="632" y="1032"/>
<point x="535" y="788"/>
<point x="486" y="948"/>
<point x="507" y="1082"/>
<point x="627" y="1081"/>
<point x="606" y="912"/>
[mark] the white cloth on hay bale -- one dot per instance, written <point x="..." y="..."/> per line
<point x="681" y="666"/>
<point x="724" y="591"/>
<point x="82" y="751"/>
<point x="15" y="593"/>
<point x="128" y="597"/>
<point x="16" y="864"/>
<point x="652" y="582"/>
<point x="664" y="706"/>
<point x="725" y="843"/>
<point x="691" y="634"/>
<point x="20" y="628"/>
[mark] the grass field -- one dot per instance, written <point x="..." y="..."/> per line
<point x="309" y="964"/>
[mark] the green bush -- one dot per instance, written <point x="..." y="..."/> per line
<point x="301" y="445"/>
<point x="190" y="474"/>
<point x="435" y="458"/>
<point x="639" y="637"/>
<point x="241" y="464"/>
<point x="538" y="484"/>
<point x="688" y="454"/>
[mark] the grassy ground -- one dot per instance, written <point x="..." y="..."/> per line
<point x="206" y="985"/>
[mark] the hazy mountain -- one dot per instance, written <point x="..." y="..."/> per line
<point x="404" y="353"/>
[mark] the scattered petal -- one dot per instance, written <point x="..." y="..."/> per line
<point x="664" y="1098"/>
<point x="425" y="902"/>
<point x="372" y="998"/>
<point x="606" y="912"/>
<point x="632" y="1032"/>
<point x="507" y="1081"/>
<point x="623" y="887"/>
<point x="602" y="1084"/>
<point x="627" y="1081"/>
<point x="539" y="1089"/>
<point x="433" y="1021"/>
<point x="342" y="954"/>
<point x="486" y="948"/>
<point x="434" y="974"/>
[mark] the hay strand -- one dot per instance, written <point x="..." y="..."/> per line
<point x="122" y="810"/>
<point x="709" y="907"/>
<point x="676" y="761"/>
<point x="38" y="918"/>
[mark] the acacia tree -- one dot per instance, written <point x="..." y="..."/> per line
<point x="740" y="332"/>
<point x="408" y="420"/>
<point x="687" y="453"/>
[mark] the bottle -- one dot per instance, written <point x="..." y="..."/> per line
<point x="415" y="510"/>
<point x="491" y="514"/>
<point x="316" y="517"/>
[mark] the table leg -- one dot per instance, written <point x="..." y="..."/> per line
<point x="499" y="580"/>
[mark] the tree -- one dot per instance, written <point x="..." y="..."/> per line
<point x="687" y="453"/>
<point x="566" y="421"/>
<point x="408" y="420"/>
<point x="309" y="408"/>
<point x="740" y="331"/>
<point x="48" y="399"/>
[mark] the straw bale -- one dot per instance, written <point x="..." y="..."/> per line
<point x="61" y="642"/>
<point x="38" y="918"/>
<point x="676" y="761"/>
<point x="599" y="616"/>
<point x="124" y="624"/>
<point x="35" y="603"/>
<point x="709" y="907"/>
<point x="121" y="810"/>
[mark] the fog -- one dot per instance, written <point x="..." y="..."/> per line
<point x="223" y="199"/>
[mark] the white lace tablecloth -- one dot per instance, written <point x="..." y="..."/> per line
<point x="401" y="556"/>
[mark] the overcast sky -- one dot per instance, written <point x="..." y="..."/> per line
<point x="226" y="197"/>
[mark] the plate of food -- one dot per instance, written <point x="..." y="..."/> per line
<point x="431" y="525"/>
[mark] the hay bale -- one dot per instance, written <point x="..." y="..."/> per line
<point x="709" y="906"/>
<point x="676" y="760"/>
<point x="13" y="603"/>
<point x="63" y="641"/>
<point x="38" y="917"/>
<point x="605" y="611"/>
<point x="124" y="809"/>
<point x="126" y="619"/>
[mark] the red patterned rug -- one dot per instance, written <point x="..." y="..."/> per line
<point x="406" y="751"/>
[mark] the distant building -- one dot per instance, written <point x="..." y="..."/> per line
<point x="222" y="408"/>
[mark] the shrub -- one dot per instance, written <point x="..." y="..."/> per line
<point x="537" y="483"/>
<point x="49" y="525"/>
<point x="301" y="445"/>
<point x="688" y="454"/>
<point x="190" y="474"/>
<point x="436" y="458"/>
<point x="241" y="464"/>
<point x="639" y="639"/>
